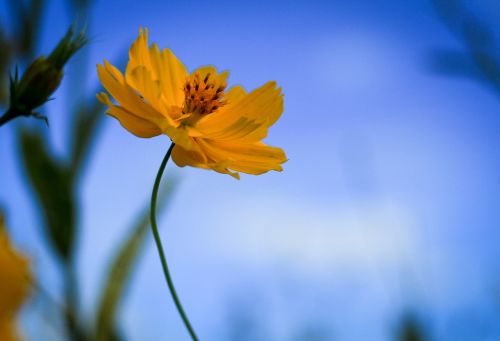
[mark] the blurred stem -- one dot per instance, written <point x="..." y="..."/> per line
<point x="74" y="329"/>
<point x="44" y="293"/>
<point x="9" y="115"/>
<point x="160" y="247"/>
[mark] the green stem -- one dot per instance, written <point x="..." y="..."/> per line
<point x="160" y="247"/>
<point x="76" y="333"/>
<point x="9" y="115"/>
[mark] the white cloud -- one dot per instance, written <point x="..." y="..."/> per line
<point x="315" y="237"/>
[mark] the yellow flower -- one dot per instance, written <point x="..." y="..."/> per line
<point x="212" y="127"/>
<point x="14" y="285"/>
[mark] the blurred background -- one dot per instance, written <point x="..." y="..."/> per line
<point x="385" y="222"/>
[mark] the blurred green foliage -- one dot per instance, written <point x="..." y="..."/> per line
<point x="122" y="266"/>
<point x="479" y="59"/>
<point x="411" y="329"/>
<point x="26" y="19"/>
<point x="54" y="181"/>
<point x="55" y="190"/>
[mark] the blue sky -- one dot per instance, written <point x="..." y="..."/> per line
<point x="388" y="203"/>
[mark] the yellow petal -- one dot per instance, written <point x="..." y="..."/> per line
<point x="257" y="153"/>
<point x="171" y="73"/>
<point x="215" y="121"/>
<point x="222" y="167"/>
<point x="179" y="135"/>
<point x="126" y="96"/>
<point x="220" y="78"/>
<point x="8" y="329"/>
<point x="164" y="67"/>
<point x="114" y="72"/>
<point x="263" y="105"/>
<point x="188" y="157"/>
<point x="196" y="158"/>
<point x="14" y="274"/>
<point x="139" y="53"/>
<point x="136" y="125"/>
<point x="258" y="134"/>
<point x="234" y="94"/>
<point x="140" y="79"/>
<point x="255" y="168"/>
<point x="238" y="131"/>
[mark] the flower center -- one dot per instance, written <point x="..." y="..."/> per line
<point x="202" y="95"/>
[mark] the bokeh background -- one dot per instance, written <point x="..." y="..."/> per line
<point x="384" y="224"/>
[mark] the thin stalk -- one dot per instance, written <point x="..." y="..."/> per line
<point x="9" y="115"/>
<point x="160" y="247"/>
<point x="75" y="330"/>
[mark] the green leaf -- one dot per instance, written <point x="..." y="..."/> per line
<point x="52" y="186"/>
<point x="122" y="267"/>
<point x="26" y="17"/>
<point x="6" y="51"/>
<point x="86" y="123"/>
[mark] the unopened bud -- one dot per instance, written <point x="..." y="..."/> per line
<point x="41" y="78"/>
<point x="39" y="81"/>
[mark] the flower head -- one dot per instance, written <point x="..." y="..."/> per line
<point x="213" y="127"/>
<point x="14" y="285"/>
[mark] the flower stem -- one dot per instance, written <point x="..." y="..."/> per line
<point x="160" y="247"/>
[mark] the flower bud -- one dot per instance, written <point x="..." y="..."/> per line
<point x="41" y="78"/>
<point x="39" y="81"/>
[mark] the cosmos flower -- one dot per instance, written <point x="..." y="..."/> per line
<point x="14" y="285"/>
<point x="213" y="127"/>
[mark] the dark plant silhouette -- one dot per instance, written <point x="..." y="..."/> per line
<point x="55" y="181"/>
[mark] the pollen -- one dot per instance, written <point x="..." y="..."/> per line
<point x="203" y="94"/>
